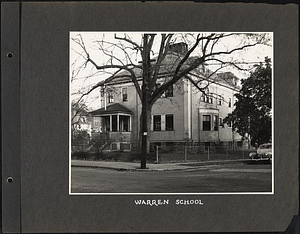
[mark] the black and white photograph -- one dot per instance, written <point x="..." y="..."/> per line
<point x="171" y="113"/>
<point x="150" y="117"/>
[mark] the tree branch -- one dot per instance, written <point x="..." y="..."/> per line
<point x="133" y="76"/>
<point x="227" y="63"/>
<point x="187" y="55"/>
<point x="121" y="47"/>
<point x="164" y="46"/>
<point x="136" y="46"/>
<point x="233" y="50"/>
<point x="101" y="83"/>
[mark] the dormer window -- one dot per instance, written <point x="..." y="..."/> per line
<point x="219" y="100"/>
<point x="169" y="91"/>
<point x="124" y="94"/>
<point x="110" y="97"/>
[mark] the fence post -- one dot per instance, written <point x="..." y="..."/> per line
<point x="185" y="153"/>
<point x="157" y="154"/>
<point x="227" y="153"/>
<point x="207" y="153"/>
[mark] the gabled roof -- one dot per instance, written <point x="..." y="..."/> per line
<point x="111" y="109"/>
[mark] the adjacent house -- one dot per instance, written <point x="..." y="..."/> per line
<point x="183" y="113"/>
<point x="80" y="121"/>
<point x="80" y="129"/>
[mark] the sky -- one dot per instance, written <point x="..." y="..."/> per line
<point x="87" y="76"/>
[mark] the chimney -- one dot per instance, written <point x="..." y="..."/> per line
<point x="179" y="48"/>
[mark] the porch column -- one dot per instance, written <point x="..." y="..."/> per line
<point x="130" y="119"/>
<point x="102" y="124"/>
<point x="118" y="122"/>
<point x="110" y="123"/>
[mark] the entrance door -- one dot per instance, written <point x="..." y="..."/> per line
<point x="106" y="123"/>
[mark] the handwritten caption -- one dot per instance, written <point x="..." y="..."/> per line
<point x="162" y="202"/>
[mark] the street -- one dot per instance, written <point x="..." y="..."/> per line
<point x="205" y="179"/>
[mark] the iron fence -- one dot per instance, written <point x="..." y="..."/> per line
<point x="182" y="153"/>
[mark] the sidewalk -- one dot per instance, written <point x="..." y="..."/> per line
<point x="128" y="166"/>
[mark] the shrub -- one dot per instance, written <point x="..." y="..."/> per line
<point x="80" y="155"/>
<point x="98" y="155"/>
<point x="136" y="156"/>
<point x="80" y="137"/>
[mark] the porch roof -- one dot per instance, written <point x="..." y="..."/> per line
<point x="111" y="109"/>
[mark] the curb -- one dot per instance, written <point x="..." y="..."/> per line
<point x="135" y="169"/>
<point x="190" y="166"/>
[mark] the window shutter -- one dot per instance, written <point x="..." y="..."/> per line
<point x="163" y="122"/>
<point x="151" y="122"/>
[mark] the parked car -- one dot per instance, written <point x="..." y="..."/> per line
<point x="264" y="152"/>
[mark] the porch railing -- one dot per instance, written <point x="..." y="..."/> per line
<point x="113" y="136"/>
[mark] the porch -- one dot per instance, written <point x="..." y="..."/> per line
<point x="113" y="124"/>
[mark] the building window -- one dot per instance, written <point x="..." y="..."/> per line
<point x="114" y="146"/>
<point x="221" y="122"/>
<point x="125" y="146"/>
<point x="102" y="93"/>
<point x="124" y="94"/>
<point x="110" y="97"/>
<point x="229" y="102"/>
<point x="96" y="122"/>
<point x="124" y="123"/>
<point x="169" y="122"/>
<point x="157" y="87"/>
<point x="219" y="100"/>
<point x="157" y="122"/>
<point x="114" y="123"/>
<point x="202" y="98"/>
<point x="206" y="97"/>
<point x="169" y="91"/>
<point x="206" y="122"/>
<point x="216" y="124"/>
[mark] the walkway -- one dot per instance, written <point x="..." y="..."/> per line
<point x="130" y="166"/>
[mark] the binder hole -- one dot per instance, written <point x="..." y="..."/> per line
<point x="9" y="55"/>
<point x="9" y="180"/>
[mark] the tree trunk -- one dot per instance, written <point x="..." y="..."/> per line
<point x="146" y="107"/>
<point x="145" y="132"/>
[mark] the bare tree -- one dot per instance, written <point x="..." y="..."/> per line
<point x="202" y="49"/>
